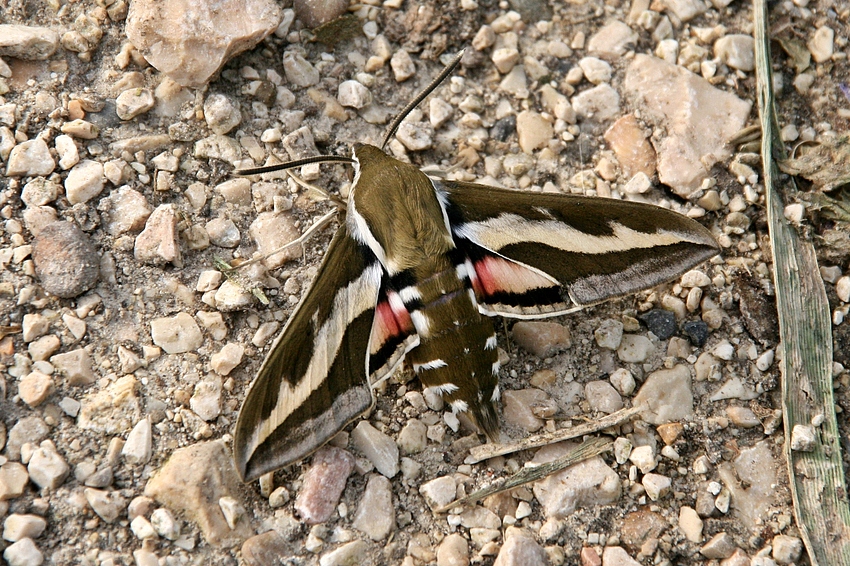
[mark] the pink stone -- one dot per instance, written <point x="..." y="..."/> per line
<point x="323" y="484"/>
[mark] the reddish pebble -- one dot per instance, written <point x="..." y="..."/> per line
<point x="323" y="484"/>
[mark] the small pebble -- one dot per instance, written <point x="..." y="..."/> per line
<point x="226" y="359"/>
<point x="375" y="514"/>
<point x="23" y="553"/>
<point x="543" y="339"/>
<point x="439" y="491"/>
<point x="133" y="102"/>
<point x="177" y="334"/>
<point x="353" y="94"/>
<point x="138" y="446"/>
<point x="721" y="546"/>
<point x="656" y="485"/>
<point x="737" y="51"/>
<point x="660" y="322"/>
<point x="402" y="65"/>
<point x="19" y="526"/>
<point x="803" y="438"/>
<point x="30" y="158"/>
<point x="822" y="44"/>
<point x="533" y="130"/>
<point x="206" y="398"/>
<point x="350" y="553"/>
<point x="697" y="332"/>
<point x="84" y="182"/>
<point x="595" y="70"/>
<point x="47" y="468"/>
<point x="786" y="549"/>
<point x="635" y="348"/>
<point x="379" y="448"/>
<point x="221" y="113"/>
<point x="159" y="242"/>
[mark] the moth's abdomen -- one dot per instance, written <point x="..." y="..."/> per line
<point x="457" y="354"/>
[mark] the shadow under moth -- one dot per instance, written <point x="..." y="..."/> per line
<point x="416" y="271"/>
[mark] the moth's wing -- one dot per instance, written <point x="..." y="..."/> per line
<point x="542" y="254"/>
<point x="393" y="334"/>
<point x="314" y="380"/>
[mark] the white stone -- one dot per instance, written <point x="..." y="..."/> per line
<point x="822" y="44"/>
<point x="23" y="552"/>
<point x="30" y="158"/>
<point x="177" y="334"/>
<point x="595" y="70"/>
<point x="600" y="103"/>
<point x="139" y="445"/>
<point x="764" y="361"/>
<point x="439" y="492"/>
<point x="221" y="113"/>
<point x="690" y="524"/>
<point x="803" y="438"/>
<point x="613" y="39"/>
<point x="533" y="130"/>
<point x="415" y="136"/>
<point x="142" y="528"/>
<point x="67" y="150"/>
<point x="380" y="449"/>
<point x="623" y="381"/>
<point x="695" y="278"/>
<point x="402" y="65"/>
<point x="227" y="358"/>
<point x="644" y="458"/>
<point x="737" y="51"/>
<point x="724" y="350"/>
<point x="133" y="102"/>
<point x="656" y="485"/>
<point x="353" y="94"/>
<point x="668" y="396"/>
<point x="84" y="182"/>
<point x="19" y="526"/>
<point x="375" y="514"/>
<point x="609" y="335"/>
<point x="206" y="400"/>
<point x="842" y="289"/>
<point x="47" y="468"/>
<point x="635" y="348"/>
<point x="351" y="553"/>
<point x="165" y="524"/>
<point x="439" y="111"/>
<point x="232" y="510"/>
<point x="639" y="184"/>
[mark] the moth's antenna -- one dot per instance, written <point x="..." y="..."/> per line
<point x="293" y="164"/>
<point x="415" y="102"/>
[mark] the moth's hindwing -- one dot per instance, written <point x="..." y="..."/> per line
<point x="314" y="380"/>
<point x="534" y="255"/>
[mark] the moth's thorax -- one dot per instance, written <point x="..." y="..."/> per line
<point x="393" y="208"/>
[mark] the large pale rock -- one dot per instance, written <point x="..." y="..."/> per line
<point x="590" y="482"/>
<point x="698" y="119"/>
<point x="27" y="42"/>
<point x="667" y="395"/>
<point x="190" y="41"/>
<point x="192" y="482"/>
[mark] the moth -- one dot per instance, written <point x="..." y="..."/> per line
<point x="416" y="271"/>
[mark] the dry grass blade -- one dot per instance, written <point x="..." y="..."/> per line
<point x="585" y="450"/>
<point x="817" y="479"/>
<point x="486" y="451"/>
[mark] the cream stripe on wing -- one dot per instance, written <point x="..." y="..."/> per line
<point x="506" y="229"/>
<point x="356" y="298"/>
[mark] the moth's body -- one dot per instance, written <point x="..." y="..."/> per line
<point x="430" y="279"/>
<point x="409" y="276"/>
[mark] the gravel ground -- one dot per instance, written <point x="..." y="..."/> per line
<point x="125" y="354"/>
